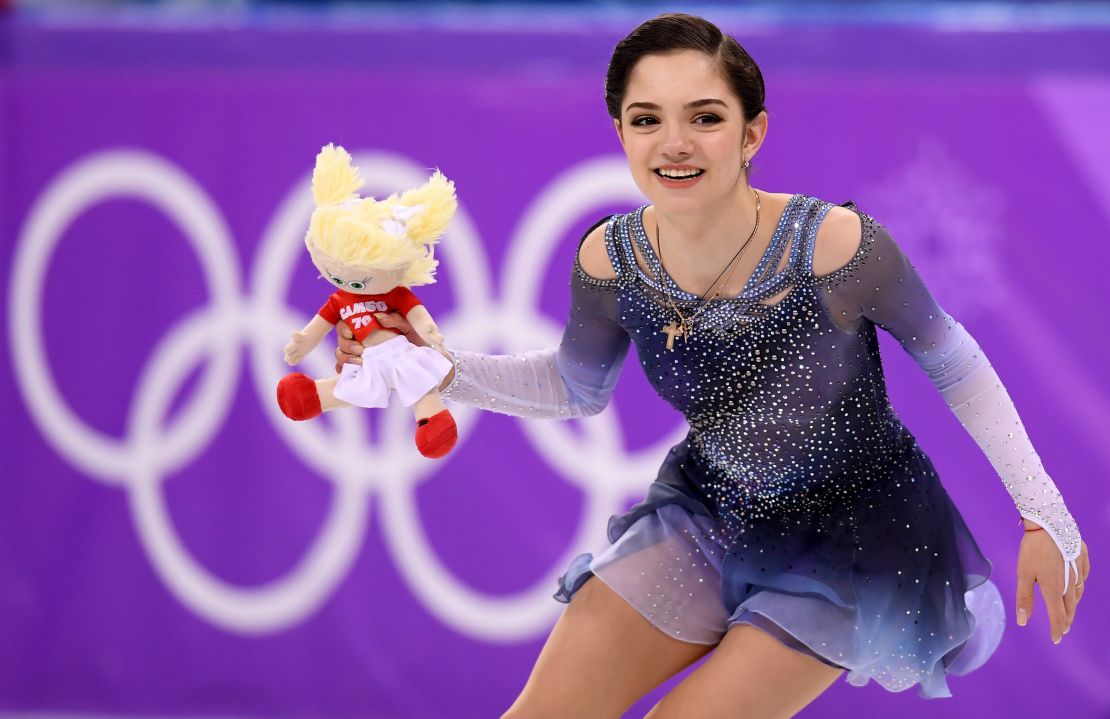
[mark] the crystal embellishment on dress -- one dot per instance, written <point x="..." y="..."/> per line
<point x="798" y="500"/>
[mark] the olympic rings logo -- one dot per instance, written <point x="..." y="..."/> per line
<point x="213" y="335"/>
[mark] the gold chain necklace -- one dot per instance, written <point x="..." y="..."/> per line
<point x="684" y="328"/>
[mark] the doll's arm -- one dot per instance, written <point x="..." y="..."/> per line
<point x="306" y="340"/>
<point x="421" y="321"/>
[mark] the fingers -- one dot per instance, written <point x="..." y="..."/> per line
<point x="348" y="350"/>
<point x="1084" y="570"/>
<point x="1054" y="604"/>
<point x="397" y="322"/>
<point x="1024" y="598"/>
<point x="1069" y="607"/>
<point x="350" y="347"/>
<point x="394" y="320"/>
<point x="344" y="331"/>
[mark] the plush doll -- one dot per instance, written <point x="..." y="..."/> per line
<point x="373" y="251"/>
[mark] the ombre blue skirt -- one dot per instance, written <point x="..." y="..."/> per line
<point x="888" y="583"/>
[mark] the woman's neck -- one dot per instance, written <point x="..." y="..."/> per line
<point x="714" y="231"/>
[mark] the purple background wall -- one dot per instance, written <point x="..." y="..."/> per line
<point x="170" y="545"/>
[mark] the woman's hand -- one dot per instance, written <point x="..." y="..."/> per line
<point x="1039" y="562"/>
<point x="350" y="349"/>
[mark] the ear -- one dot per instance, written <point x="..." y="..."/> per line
<point x="620" y="130"/>
<point x="754" y="134"/>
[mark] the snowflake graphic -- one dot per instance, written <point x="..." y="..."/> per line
<point x="949" y="223"/>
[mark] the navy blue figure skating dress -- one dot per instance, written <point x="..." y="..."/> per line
<point x="798" y="502"/>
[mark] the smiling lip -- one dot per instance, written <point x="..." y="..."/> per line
<point x="678" y="183"/>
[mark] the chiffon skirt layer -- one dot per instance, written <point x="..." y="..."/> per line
<point x="889" y="584"/>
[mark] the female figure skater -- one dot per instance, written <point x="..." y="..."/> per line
<point x="798" y="530"/>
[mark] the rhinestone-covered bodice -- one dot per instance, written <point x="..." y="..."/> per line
<point x="778" y="397"/>
<point x="782" y="385"/>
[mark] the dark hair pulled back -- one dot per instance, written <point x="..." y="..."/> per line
<point x="677" y="31"/>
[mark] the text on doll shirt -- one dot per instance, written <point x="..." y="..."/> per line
<point x="357" y="311"/>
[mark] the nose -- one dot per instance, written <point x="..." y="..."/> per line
<point x="676" y="145"/>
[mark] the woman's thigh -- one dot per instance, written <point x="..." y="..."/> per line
<point x="600" y="658"/>
<point x="750" y="676"/>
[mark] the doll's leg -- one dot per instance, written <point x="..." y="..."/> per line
<point x="428" y="405"/>
<point x="301" y="398"/>
<point x="325" y="390"/>
<point x="436" y="432"/>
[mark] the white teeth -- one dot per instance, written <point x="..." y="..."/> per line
<point x="678" y="174"/>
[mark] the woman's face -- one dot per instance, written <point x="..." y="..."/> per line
<point x="682" y="129"/>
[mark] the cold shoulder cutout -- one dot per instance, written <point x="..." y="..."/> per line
<point x="838" y="240"/>
<point x="593" y="255"/>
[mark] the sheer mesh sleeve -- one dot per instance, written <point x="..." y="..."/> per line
<point x="880" y="285"/>
<point x="574" y="380"/>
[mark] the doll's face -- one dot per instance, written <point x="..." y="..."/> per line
<point x="359" y="280"/>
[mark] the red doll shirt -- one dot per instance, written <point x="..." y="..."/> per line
<point x="358" y="310"/>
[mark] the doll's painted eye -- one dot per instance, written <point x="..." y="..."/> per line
<point x="356" y="285"/>
<point x="336" y="280"/>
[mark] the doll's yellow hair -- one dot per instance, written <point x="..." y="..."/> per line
<point x="352" y="229"/>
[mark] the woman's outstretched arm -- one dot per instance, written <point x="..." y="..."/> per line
<point x="574" y="379"/>
<point x="880" y="284"/>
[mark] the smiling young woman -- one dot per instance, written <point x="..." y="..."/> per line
<point x="798" y="532"/>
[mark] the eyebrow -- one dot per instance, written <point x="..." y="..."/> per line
<point x="687" y="106"/>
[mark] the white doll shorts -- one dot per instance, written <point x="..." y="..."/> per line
<point x="395" y="365"/>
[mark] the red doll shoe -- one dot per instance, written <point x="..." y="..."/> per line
<point x="297" y="396"/>
<point x="436" y="435"/>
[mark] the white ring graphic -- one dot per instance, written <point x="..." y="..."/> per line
<point x="260" y="321"/>
<point x="114" y="174"/>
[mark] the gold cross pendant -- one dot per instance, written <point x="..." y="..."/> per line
<point x="673" y="330"/>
